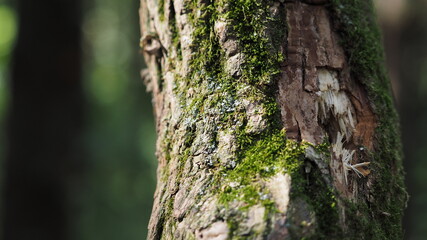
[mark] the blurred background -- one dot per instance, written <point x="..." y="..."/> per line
<point x="77" y="134"/>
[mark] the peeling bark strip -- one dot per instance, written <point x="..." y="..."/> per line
<point x="268" y="126"/>
<point x="317" y="96"/>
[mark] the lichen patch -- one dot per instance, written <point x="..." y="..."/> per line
<point x="217" y="231"/>
<point x="279" y="187"/>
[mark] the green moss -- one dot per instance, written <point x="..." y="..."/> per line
<point x="363" y="227"/>
<point x="323" y="200"/>
<point x="261" y="62"/>
<point x="260" y="159"/>
<point x="161" y="5"/>
<point x="362" y="42"/>
<point x="250" y="20"/>
<point x="176" y="43"/>
<point x="258" y="155"/>
<point x="324" y="148"/>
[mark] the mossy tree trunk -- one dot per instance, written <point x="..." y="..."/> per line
<point x="274" y="121"/>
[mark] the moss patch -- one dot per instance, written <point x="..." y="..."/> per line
<point x="323" y="200"/>
<point x="250" y="20"/>
<point x="161" y="5"/>
<point x="361" y="37"/>
<point x="263" y="158"/>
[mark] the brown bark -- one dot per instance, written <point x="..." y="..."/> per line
<point x="317" y="95"/>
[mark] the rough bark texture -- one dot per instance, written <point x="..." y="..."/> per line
<point x="274" y="121"/>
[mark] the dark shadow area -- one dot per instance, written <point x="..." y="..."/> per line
<point x="404" y="25"/>
<point x="413" y="112"/>
<point x="45" y="120"/>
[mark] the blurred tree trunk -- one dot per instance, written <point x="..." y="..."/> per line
<point x="45" y="118"/>
<point x="274" y="121"/>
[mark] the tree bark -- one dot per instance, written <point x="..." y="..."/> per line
<point x="274" y="121"/>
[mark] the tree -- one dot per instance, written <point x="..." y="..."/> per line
<point x="275" y="121"/>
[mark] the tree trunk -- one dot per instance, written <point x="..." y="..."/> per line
<point x="274" y="121"/>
